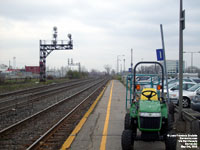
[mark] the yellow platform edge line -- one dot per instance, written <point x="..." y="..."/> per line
<point x="70" y="139"/>
<point x="106" y="123"/>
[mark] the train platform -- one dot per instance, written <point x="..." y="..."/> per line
<point x="102" y="129"/>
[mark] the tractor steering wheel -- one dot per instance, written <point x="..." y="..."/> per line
<point x="149" y="96"/>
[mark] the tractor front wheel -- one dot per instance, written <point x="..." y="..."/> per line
<point x="127" y="122"/>
<point x="127" y="140"/>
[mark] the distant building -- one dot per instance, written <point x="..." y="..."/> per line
<point x="3" y="68"/>
<point x="173" y="66"/>
<point x="33" y="69"/>
<point x="15" y="70"/>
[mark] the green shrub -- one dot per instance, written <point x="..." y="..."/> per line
<point x="76" y="75"/>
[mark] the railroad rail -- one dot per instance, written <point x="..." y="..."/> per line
<point x="23" y="134"/>
<point x="35" y="95"/>
<point x="35" y="89"/>
<point x="27" y="107"/>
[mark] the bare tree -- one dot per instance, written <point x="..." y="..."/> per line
<point x="107" y="68"/>
<point x="152" y="69"/>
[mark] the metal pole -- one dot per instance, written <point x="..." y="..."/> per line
<point x="79" y="67"/>
<point x="121" y="68"/>
<point x="191" y="59"/>
<point x="124" y="64"/>
<point x="117" y="64"/>
<point x="165" y="66"/>
<point x="131" y="81"/>
<point x="131" y="60"/>
<point x="118" y="67"/>
<point x="191" y="62"/>
<point x="181" y="27"/>
<point x="42" y="64"/>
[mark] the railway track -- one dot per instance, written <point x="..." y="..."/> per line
<point x="28" y="107"/>
<point x="36" y="128"/>
<point x="35" y="89"/>
<point x="35" y="95"/>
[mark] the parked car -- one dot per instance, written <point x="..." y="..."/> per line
<point x="175" y="86"/>
<point x="195" y="102"/>
<point x="187" y="95"/>
<point x="197" y="80"/>
<point x="173" y="81"/>
<point x="143" y="78"/>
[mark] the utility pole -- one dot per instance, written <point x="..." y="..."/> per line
<point x="124" y="65"/>
<point x="165" y="66"/>
<point x="46" y="47"/>
<point x="181" y="28"/>
<point x="14" y="62"/>
<point x="121" y="69"/>
<point x="131" y="60"/>
<point x="118" y="62"/>
<point x="9" y="65"/>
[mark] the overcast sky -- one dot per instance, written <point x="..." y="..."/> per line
<point x="101" y="30"/>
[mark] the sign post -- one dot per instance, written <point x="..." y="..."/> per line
<point x="164" y="57"/>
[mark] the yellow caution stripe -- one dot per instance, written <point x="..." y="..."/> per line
<point x="106" y="123"/>
<point x="72" y="136"/>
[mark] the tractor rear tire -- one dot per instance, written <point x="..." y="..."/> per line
<point x="127" y="122"/>
<point x="170" y="122"/>
<point x="170" y="141"/>
<point x="127" y="140"/>
<point x="171" y="110"/>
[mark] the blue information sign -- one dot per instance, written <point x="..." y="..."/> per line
<point x="160" y="55"/>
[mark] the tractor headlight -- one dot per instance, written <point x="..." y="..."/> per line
<point x="145" y="114"/>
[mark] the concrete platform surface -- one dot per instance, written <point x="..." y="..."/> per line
<point x="91" y="134"/>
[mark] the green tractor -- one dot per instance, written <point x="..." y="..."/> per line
<point x="149" y="113"/>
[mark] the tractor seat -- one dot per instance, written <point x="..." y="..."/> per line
<point x="149" y="94"/>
